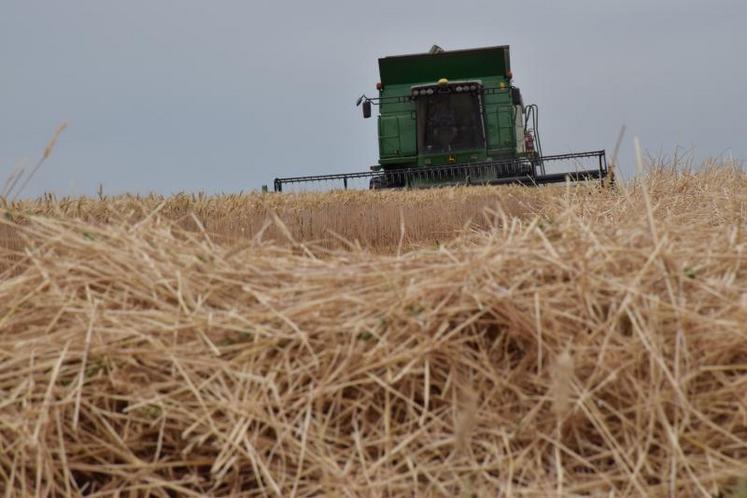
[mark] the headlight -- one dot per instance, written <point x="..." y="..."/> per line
<point x="459" y="89"/>
<point x="430" y="91"/>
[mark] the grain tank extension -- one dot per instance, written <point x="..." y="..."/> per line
<point x="455" y="117"/>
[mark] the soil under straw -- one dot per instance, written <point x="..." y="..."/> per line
<point x="595" y="346"/>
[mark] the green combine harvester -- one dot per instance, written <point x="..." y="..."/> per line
<point x="455" y="118"/>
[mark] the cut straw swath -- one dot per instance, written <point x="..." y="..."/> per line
<point x="580" y="341"/>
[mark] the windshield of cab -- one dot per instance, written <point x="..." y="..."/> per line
<point x="449" y="122"/>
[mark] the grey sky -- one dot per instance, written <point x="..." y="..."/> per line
<point x="225" y="95"/>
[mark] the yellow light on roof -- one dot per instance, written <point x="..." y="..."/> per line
<point x="443" y="82"/>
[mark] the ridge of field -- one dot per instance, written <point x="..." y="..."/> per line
<point x="573" y="341"/>
<point x="373" y="220"/>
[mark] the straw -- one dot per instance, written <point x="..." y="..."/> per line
<point x="575" y="341"/>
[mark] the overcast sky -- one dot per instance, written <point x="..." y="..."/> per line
<point x="225" y="95"/>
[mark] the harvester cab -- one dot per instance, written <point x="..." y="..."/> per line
<point x="455" y="117"/>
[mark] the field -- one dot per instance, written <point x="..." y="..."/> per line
<point x="559" y="341"/>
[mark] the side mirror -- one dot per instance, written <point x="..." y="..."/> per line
<point x="367" y="109"/>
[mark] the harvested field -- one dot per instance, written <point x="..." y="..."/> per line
<point x="376" y="221"/>
<point x="567" y="342"/>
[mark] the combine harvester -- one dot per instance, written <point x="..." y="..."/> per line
<point x="455" y="118"/>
